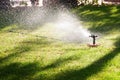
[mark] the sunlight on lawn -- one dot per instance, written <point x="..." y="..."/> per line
<point x="35" y="54"/>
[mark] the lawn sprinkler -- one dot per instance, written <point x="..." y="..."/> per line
<point x="94" y="41"/>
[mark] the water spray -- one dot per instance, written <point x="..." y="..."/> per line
<point x="55" y="23"/>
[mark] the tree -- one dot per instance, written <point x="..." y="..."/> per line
<point x="74" y="3"/>
<point x="69" y="3"/>
<point x="5" y="4"/>
<point x="100" y="2"/>
<point x="34" y="2"/>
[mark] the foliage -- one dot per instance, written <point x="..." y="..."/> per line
<point x="5" y="4"/>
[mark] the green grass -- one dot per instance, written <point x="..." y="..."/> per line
<point x="25" y="56"/>
<point x="100" y="18"/>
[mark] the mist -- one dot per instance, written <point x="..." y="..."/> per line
<point x="65" y="25"/>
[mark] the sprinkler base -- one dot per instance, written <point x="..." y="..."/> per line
<point x="93" y="45"/>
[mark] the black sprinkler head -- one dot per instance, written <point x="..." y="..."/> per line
<point x="94" y="40"/>
<point x="93" y="36"/>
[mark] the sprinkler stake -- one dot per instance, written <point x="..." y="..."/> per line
<point x="94" y="38"/>
<point x="94" y="41"/>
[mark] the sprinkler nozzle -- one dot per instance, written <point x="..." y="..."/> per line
<point x="94" y="40"/>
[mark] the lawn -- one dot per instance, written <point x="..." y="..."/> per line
<point x="24" y="55"/>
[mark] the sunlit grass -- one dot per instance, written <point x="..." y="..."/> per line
<point x="25" y="55"/>
<point x="102" y="19"/>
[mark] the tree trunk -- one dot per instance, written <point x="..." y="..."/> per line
<point x="34" y="2"/>
<point x="100" y="2"/>
<point x="69" y="3"/>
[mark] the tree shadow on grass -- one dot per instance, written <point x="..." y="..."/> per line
<point x="59" y="62"/>
<point x="100" y="18"/>
<point x="26" y="46"/>
<point x="27" y="18"/>
<point x="6" y="18"/>
<point x="14" y="52"/>
<point x="18" y="71"/>
<point x="13" y="16"/>
<point x="23" y="71"/>
<point x="40" y="41"/>
<point x="26" y="71"/>
<point x="94" y="68"/>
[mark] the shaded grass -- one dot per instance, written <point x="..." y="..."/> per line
<point x="90" y="70"/>
<point x="18" y="71"/>
<point x="40" y="59"/>
<point x="102" y="19"/>
<point x="28" y="57"/>
<point x="6" y="18"/>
